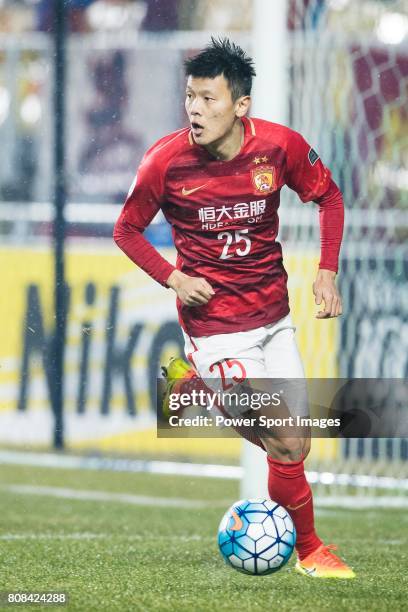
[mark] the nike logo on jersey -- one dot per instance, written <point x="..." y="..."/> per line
<point x="187" y="192"/>
<point x="238" y="522"/>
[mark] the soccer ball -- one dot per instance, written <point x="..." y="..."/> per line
<point x="256" y="536"/>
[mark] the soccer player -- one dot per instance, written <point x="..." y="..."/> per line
<point x="218" y="184"/>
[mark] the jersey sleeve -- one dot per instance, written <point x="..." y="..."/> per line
<point x="305" y="172"/>
<point x="331" y="217"/>
<point x="142" y="203"/>
<point x="145" y="194"/>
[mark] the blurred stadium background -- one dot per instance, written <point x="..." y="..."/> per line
<point x="345" y="69"/>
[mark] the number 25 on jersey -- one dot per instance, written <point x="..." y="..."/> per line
<point x="233" y="239"/>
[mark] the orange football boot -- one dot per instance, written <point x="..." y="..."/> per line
<point x="322" y="563"/>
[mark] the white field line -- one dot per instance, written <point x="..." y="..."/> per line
<point x="13" y="537"/>
<point x="9" y="537"/>
<point x="233" y="472"/>
<point x="200" y="470"/>
<point x="348" y="502"/>
<point x="6" y="537"/>
<point x="107" y="496"/>
<point x="362" y="481"/>
<point x="360" y="502"/>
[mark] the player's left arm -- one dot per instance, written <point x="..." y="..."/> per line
<point x="307" y="175"/>
<point x="331" y="217"/>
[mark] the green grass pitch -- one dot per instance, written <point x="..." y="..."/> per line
<point x="114" y="555"/>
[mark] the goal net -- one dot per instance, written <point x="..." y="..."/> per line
<point x="347" y="94"/>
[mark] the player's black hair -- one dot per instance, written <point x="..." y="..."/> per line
<point x="222" y="56"/>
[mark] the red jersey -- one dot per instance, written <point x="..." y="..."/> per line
<point x="224" y="219"/>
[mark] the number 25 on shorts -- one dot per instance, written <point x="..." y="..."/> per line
<point x="225" y="368"/>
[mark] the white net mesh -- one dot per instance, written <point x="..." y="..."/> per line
<point x="348" y="93"/>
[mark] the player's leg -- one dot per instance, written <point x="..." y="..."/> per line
<point x="223" y="360"/>
<point x="212" y="361"/>
<point x="283" y="363"/>
<point x="258" y="355"/>
<point x="239" y="357"/>
<point x="287" y="482"/>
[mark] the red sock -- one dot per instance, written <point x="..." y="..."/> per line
<point x="287" y="485"/>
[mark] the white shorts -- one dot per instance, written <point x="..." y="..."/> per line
<point x="265" y="352"/>
<point x="268" y="352"/>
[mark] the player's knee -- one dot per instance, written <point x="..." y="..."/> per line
<point x="306" y="447"/>
<point x="286" y="449"/>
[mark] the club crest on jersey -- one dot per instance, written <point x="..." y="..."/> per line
<point x="263" y="179"/>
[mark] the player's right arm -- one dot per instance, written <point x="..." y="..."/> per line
<point x="191" y="291"/>
<point x="144" y="200"/>
<point x="142" y="204"/>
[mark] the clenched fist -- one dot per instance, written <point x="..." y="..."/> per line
<point x="191" y="290"/>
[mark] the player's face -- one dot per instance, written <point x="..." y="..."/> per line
<point x="211" y="111"/>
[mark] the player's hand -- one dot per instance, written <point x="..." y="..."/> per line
<point x="191" y="290"/>
<point x="325" y="290"/>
